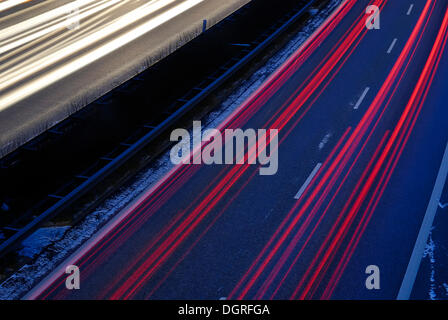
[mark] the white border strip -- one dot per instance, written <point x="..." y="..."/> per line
<point x="420" y="244"/>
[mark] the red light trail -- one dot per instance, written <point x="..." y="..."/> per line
<point x="307" y="254"/>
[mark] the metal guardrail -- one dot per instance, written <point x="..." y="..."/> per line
<point x="117" y="162"/>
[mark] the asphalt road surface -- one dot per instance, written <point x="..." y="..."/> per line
<point x="362" y="123"/>
<point x="56" y="56"/>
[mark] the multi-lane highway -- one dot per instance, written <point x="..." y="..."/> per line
<point x="362" y="123"/>
<point x="58" y="55"/>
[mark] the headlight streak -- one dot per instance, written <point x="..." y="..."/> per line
<point x="75" y="64"/>
<point x="34" y="28"/>
<point x="19" y="73"/>
<point x="54" y="41"/>
<point x="8" y="4"/>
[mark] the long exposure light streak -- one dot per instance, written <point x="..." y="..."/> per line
<point x="26" y="70"/>
<point x="8" y="4"/>
<point x="313" y="242"/>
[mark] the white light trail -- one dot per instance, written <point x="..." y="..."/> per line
<point x="8" y="4"/>
<point x="20" y="81"/>
<point x="18" y="35"/>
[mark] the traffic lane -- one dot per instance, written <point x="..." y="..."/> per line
<point x="30" y="49"/>
<point x="8" y="4"/>
<point x="195" y="263"/>
<point x="394" y="111"/>
<point x="126" y="218"/>
<point x="262" y="113"/>
<point x="30" y="116"/>
<point x="293" y="159"/>
<point x="104" y="32"/>
<point x="90" y="22"/>
<point x="16" y="6"/>
<point x="391" y="235"/>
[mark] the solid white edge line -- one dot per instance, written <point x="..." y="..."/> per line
<point x="307" y="182"/>
<point x="361" y="98"/>
<point x="420" y="244"/>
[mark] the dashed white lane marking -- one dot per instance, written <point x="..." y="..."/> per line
<point x="392" y="45"/>
<point x="361" y="98"/>
<point x="410" y="9"/>
<point x="324" y="141"/>
<point x="425" y="229"/>
<point x="307" y="182"/>
<point x="443" y="205"/>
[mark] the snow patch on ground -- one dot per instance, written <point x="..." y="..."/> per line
<point x="42" y="238"/>
<point x="28" y="276"/>
<point x="434" y="251"/>
<point x="429" y="253"/>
